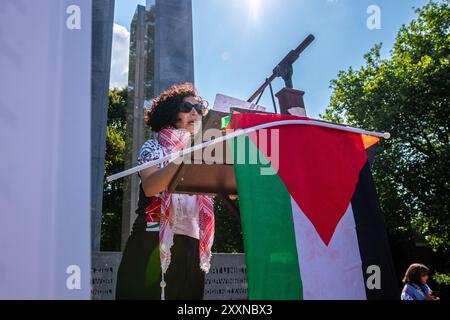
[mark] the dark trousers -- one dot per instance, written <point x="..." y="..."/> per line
<point x="139" y="273"/>
<point x="185" y="280"/>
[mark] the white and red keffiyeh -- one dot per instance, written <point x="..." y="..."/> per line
<point x="174" y="140"/>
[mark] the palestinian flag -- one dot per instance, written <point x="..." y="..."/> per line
<point x="313" y="227"/>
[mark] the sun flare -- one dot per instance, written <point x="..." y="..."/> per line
<point x="254" y="6"/>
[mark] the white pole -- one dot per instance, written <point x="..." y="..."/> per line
<point x="237" y="133"/>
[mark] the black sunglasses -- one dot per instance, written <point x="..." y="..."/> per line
<point x="187" y="107"/>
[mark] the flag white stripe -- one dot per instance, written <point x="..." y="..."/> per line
<point x="332" y="272"/>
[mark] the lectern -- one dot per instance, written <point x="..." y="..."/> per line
<point x="213" y="178"/>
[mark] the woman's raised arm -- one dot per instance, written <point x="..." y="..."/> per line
<point x="156" y="180"/>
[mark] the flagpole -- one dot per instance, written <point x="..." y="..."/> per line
<point x="240" y="132"/>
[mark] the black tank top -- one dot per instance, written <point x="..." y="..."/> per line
<point x="143" y="202"/>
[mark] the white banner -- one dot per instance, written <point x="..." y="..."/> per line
<point x="45" y="63"/>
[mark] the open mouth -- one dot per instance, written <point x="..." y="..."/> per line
<point x="194" y="123"/>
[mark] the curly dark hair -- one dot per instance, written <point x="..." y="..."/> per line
<point x="414" y="272"/>
<point x="165" y="108"/>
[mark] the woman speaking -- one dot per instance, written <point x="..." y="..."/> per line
<point x="169" y="249"/>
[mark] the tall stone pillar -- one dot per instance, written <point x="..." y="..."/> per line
<point x="135" y="117"/>
<point x="102" y="27"/>
<point x="174" y="53"/>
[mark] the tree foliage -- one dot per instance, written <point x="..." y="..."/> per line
<point x="114" y="162"/>
<point x="228" y="234"/>
<point x="407" y="95"/>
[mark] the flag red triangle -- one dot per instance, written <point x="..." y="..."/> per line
<point x="319" y="166"/>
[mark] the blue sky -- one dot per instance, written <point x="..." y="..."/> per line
<point x="238" y="42"/>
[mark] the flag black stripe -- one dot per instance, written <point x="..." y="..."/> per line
<point x="372" y="237"/>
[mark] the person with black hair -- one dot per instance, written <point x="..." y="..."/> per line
<point x="169" y="249"/>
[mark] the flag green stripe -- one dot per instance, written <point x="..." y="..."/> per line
<point x="269" y="236"/>
<point x="226" y="122"/>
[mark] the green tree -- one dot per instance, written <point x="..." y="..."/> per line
<point x="228" y="234"/>
<point x="407" y="95"/>
<point x="114" y="162"/>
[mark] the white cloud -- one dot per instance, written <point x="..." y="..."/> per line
<point x="119" y="57"/>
